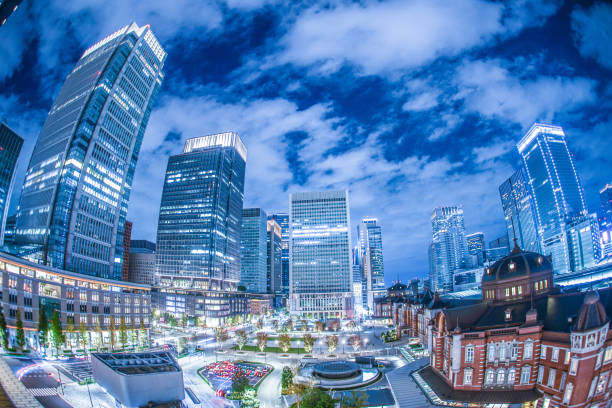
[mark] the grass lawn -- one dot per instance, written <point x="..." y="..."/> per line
<point x="292" y="338"/>
<point x="268" y="349"/>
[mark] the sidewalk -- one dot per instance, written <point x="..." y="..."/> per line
<point x="14" y="390"/>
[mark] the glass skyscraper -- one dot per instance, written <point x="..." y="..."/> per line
<point x="370" y="246"/>
<point x="10" y="147"/>
<point x="605" y="221"/>
<point x="583" y="242"/>
<point x="449" y="246"/>
<point x="555" y="188"/>
<point x="519" y="211"/>
<point x="476" y="247"/>
<point x="283" y="221"/>
<point x="77" y="187"/>
<point x="274" y="258"/>
<point x="253" y="250"/>
<point x="200" y="216"/>
<point x="320" y="271"/>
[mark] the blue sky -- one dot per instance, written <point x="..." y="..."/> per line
<point x="409" y="104"/>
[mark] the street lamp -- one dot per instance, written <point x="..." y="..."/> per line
<point x="343" y="342"/>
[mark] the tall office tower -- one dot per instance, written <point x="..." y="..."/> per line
<point x="449" y="246"/>
<point x="274" y="257"/>
<point x="498" y="248"/>
<point x="583" y="242"/>
<point x="10" y="147"/>
<point x="476" y="247"/>
<point x="358" y="283"/>
<point x="77" y="187"/>
<point x="283" y="220"/>
<point x="320" y="271"/>
<point x="200" y="216"/>
<point x="555" y="188"/>
<point x="370" y="246"/>
<point x="127" y="237"/>
<point x="253" y="250"/>
<point x="519" y="211"/>
<point x="605" y="221"/>
<point x="141" y="266"/>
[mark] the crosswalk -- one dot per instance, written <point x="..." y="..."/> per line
<point x="81" y="371"/>
<point x="43" y="392"/>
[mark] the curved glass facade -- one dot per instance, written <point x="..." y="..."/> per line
<point x="77" y="187"/>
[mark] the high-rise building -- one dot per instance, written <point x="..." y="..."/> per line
<point x="274" y="257"/>
<point x="519" y="211"/>
<point x="583" y="242"/>
<point x="282" y="219"/>
<point x="10" y="147"/>
<point x="555" y="187"/>
<point x="253" y="250"/>
<point x="449" y="246"/>
<point x="200" y="216"/>
<point x="320" y="270"/>
<point x="358" y="284"/>
<point x="605" y="221"/>
<point x="127" y="237"/>
<point x="498" y="248"/>
<point x="371" y="256"/>
<point x="141" y="265"/>
<point x="77" y="186"/>
<point x="476" y="247"/>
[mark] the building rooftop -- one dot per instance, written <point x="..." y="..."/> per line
<point x="139" y="363"/>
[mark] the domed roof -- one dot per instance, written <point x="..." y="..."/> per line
<point x="517" y="263"/>
<point x="591" y="314"/>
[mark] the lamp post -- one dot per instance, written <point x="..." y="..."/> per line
<point x="343" y="343"/>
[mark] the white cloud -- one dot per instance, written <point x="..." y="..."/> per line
<point x="592" y="32"/>
<point x="488" y="88"/>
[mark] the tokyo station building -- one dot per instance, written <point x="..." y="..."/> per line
<point x="526" y="343"/>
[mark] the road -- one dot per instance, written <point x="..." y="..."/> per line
<point x="36" y="377"/>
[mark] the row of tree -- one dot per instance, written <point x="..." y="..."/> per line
<point x="52" y="333"/>
<point x="284" y="341"/>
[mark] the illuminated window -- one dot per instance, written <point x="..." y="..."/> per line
<point x="555" y="354"/>
<point x="552" y="374"/>
<point x="567" y="357"/>
<point x="608" y="355"/>
<point x="525" y="374"/>
<point x="469" y="354"/>
<point x="528" y="350"/>
<point x="501" y="376"/>
<point x="567" y="396"/>
<point x="489" y="377"/>
<point x="573" y="366"/>
<point x="467" y="376"/>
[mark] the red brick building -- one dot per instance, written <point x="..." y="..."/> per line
<point x="526" y="342"/>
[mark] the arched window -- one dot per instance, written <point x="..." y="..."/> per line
<point x="525" y="374"/>
<point x="511" y="376"/>
<point x="468" y="374"/>
<point x="489" y="377"/>
<point x="567" y="396"/>
<point x="501" y="376"/>
<point x="528" y="350"/>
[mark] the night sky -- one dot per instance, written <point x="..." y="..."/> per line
<point x="408" y="104"/>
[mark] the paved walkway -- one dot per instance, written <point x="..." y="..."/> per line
<point x="406" y="392"/>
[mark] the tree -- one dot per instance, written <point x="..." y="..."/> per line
<point x="288" y="326"/>
<point x="275" y="324"/>
<point x="57" y="334"/>
<point x="20" y="336"/>
<point x="221" y="336"/>
<point x="284" y="342"/>
<point x="111" y="331"/>
<point x="83" y="337"/>
<point x="262" y="341"/>
<point x="319" y="326"/>
<point x="351" y="325"/>
<point x="123" y="335"/>
<point x="259" y="324"/>
<point x="69" y="332"/>
<point x="334" y="325"/>
<point x="356" y="400"/>
<point x="332" y="343"/>
<point x="240" y="382"/>
<point x="309" y="342"/>
<point x="143" y="334"/>
<point x="249" y="399"/>
<point x="134" y="334"/>
<point x="355" y="342"/>
<point x="4" y="330"/>
<point x="317" y="398"/>
<point x="43" y="327"/>
<point x="98" y="338"/>
<point x="298" y="390"/>
<point x="241" y="338"/>
<point x="286" y="378"/>
<point x="304" y="324"/>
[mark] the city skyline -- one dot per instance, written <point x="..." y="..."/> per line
<point x="461" y="158"/>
